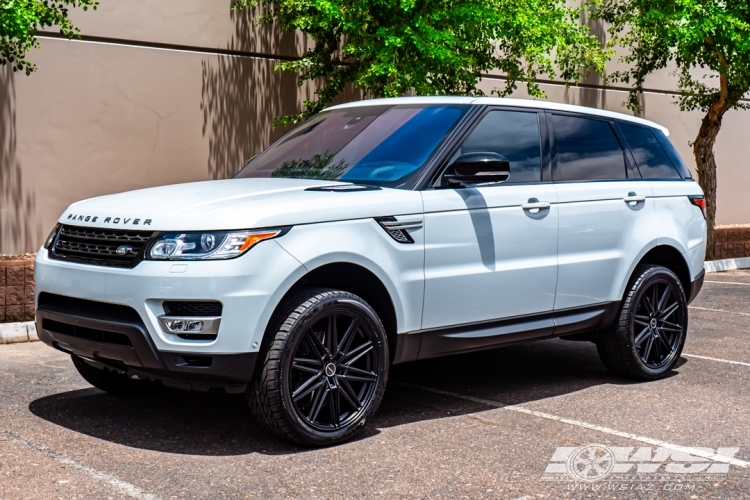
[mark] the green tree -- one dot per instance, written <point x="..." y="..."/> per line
<point x="431" y="47"/>
<point x="709" y="43"/>
<point x="20" y="20"/>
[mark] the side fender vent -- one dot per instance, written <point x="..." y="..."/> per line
<point x="399" y="229"/>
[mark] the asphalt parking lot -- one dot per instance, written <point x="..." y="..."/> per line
<point x="482" y="425"/>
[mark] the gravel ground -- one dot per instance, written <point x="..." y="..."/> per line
<point x="483" y="425"/>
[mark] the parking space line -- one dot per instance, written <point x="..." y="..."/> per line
<point x="118" y="484"/>
<point x="717" y="310"/>
<point x="728" y="282"/>
<point x="717" y="359"/>
<point x="584" y="425"/>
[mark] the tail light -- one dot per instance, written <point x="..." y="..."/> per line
<point x="699" y="202"/>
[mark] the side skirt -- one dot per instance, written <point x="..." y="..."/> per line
<point x="437" y="342"/>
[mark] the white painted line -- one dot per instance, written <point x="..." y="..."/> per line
<point x="585" y="425"/>
<point x="717" y="359"/>
<point x="727" y="282"/>
<point x="718" y="310"/>
<point x="118" y="484"/>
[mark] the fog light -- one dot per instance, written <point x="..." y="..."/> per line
<point x="181" y="325"/>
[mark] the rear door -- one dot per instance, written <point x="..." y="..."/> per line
<point x="606" y="210"/>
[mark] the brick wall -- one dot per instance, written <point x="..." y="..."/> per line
<point x="731" y="242"/>
<point x="16" y="290"/>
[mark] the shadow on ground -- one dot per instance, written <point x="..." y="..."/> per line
<point x="219" y="424"/>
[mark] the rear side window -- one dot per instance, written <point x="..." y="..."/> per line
<point x="513" y="134"/>
<point x="673" y="154"/>
<point x="588" y="149"/>
<point x="650" y="157"/>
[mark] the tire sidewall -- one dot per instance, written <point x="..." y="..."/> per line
<point x="648" y="278"/>
<point x="352" y="304"/>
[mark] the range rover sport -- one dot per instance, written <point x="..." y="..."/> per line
<point x="381" y="232"/>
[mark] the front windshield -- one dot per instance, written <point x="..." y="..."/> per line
<point x="376" y="145"/>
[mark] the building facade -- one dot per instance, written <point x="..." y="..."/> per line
<point x="167" y="91"/>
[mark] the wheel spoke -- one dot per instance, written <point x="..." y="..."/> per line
<point x="664" y="297"/>
<point x="357" y="353"/>
<point x="670" y="310"/>
<point x="346" y="390"/>
<point x="360" y="378"/>
<point x="664" y="342"/>
<point x="642" y="336"/>
<point x="318" y="401"/>
<point x="670" y="329"/>
<point x="307" y="387"/>
<point x="346" y="341"/>
<point x="334" y="405"/>
<point x="671" y="325"/>
<point x="647" y="349"/>
<point x="655" y="297"/>
<point x="645" y="300"/>
<point x="316" y="344"/>
<point x="331" y="334"/>
<point x="305" y="368"/>
<point x="642" y="320"/>
<point x="657" y="347"/>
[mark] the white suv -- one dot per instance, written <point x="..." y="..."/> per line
<point x="376" y="233"/>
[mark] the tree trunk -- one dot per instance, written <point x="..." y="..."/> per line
<point x="703" y="150"/>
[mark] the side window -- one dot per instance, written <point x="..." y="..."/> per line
<point x="587" y="149"/>
<point x="513" y="134"/>
<point x="673" y="154"/>
<point x="652" y="160"/>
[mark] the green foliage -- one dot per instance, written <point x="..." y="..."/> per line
<point x="20" y="20"/>
<point x="696" y="35"/>
<point x="431" y="47"/>
<point x="316" y="167"/>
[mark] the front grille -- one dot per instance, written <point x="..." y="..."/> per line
<point x="99" y="246"/>
<point x="86" y="333"/>
<point x="192" y="308"/>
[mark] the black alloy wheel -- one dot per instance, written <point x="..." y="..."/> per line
<point x="648" y="337"/>
<point x="323" y="369"/>
<point x="332" y="377"/>
<point x="658" y="324"/>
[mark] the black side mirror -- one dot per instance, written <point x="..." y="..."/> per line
<point x="478" y="168"/>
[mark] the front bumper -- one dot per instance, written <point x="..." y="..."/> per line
<point x="248" y="287"/>
<point x="115" y="337"/>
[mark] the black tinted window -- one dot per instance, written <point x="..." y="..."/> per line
<point x="673" y="154"/>
<point x="650" y="157"/>
<point x="513" y="134"/>
<point x="588" y="149"/>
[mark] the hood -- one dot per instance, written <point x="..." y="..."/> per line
<point x="239" y="204"/>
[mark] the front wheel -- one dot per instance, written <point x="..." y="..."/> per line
<point x="649" y="336"/>
<point x="324" y="371"/>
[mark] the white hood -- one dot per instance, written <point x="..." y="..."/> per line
<point x="237" y="204"/>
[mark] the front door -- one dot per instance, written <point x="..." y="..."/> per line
<point x="491" y="250"/>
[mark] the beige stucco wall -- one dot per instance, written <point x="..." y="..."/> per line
<point x="104" y="115"/>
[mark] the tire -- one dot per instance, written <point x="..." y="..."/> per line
<point x="315" y="385"/>
<point x="112" y="382"/>
<point x="648" y="338"/>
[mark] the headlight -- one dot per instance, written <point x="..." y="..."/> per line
<point x="208" y="245"/>
<point x="51" y="238"/>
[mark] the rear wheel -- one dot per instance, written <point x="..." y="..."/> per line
<point x="111" y="381"/>
<point x="649" y="336"/>
<point x="324" y="371"/>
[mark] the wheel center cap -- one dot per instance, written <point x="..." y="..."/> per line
<point x="330" y="370"/>
<point x="654" y="323"/>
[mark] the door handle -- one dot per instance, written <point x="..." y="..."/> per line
<point x="535" y="206"/>
<point x="633" y="199"/>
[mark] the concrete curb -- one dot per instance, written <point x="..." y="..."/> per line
<point x="717" y="266"/>
<point x="11" y="333"/>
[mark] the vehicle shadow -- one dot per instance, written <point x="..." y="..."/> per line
<point x="219" y="424"/>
